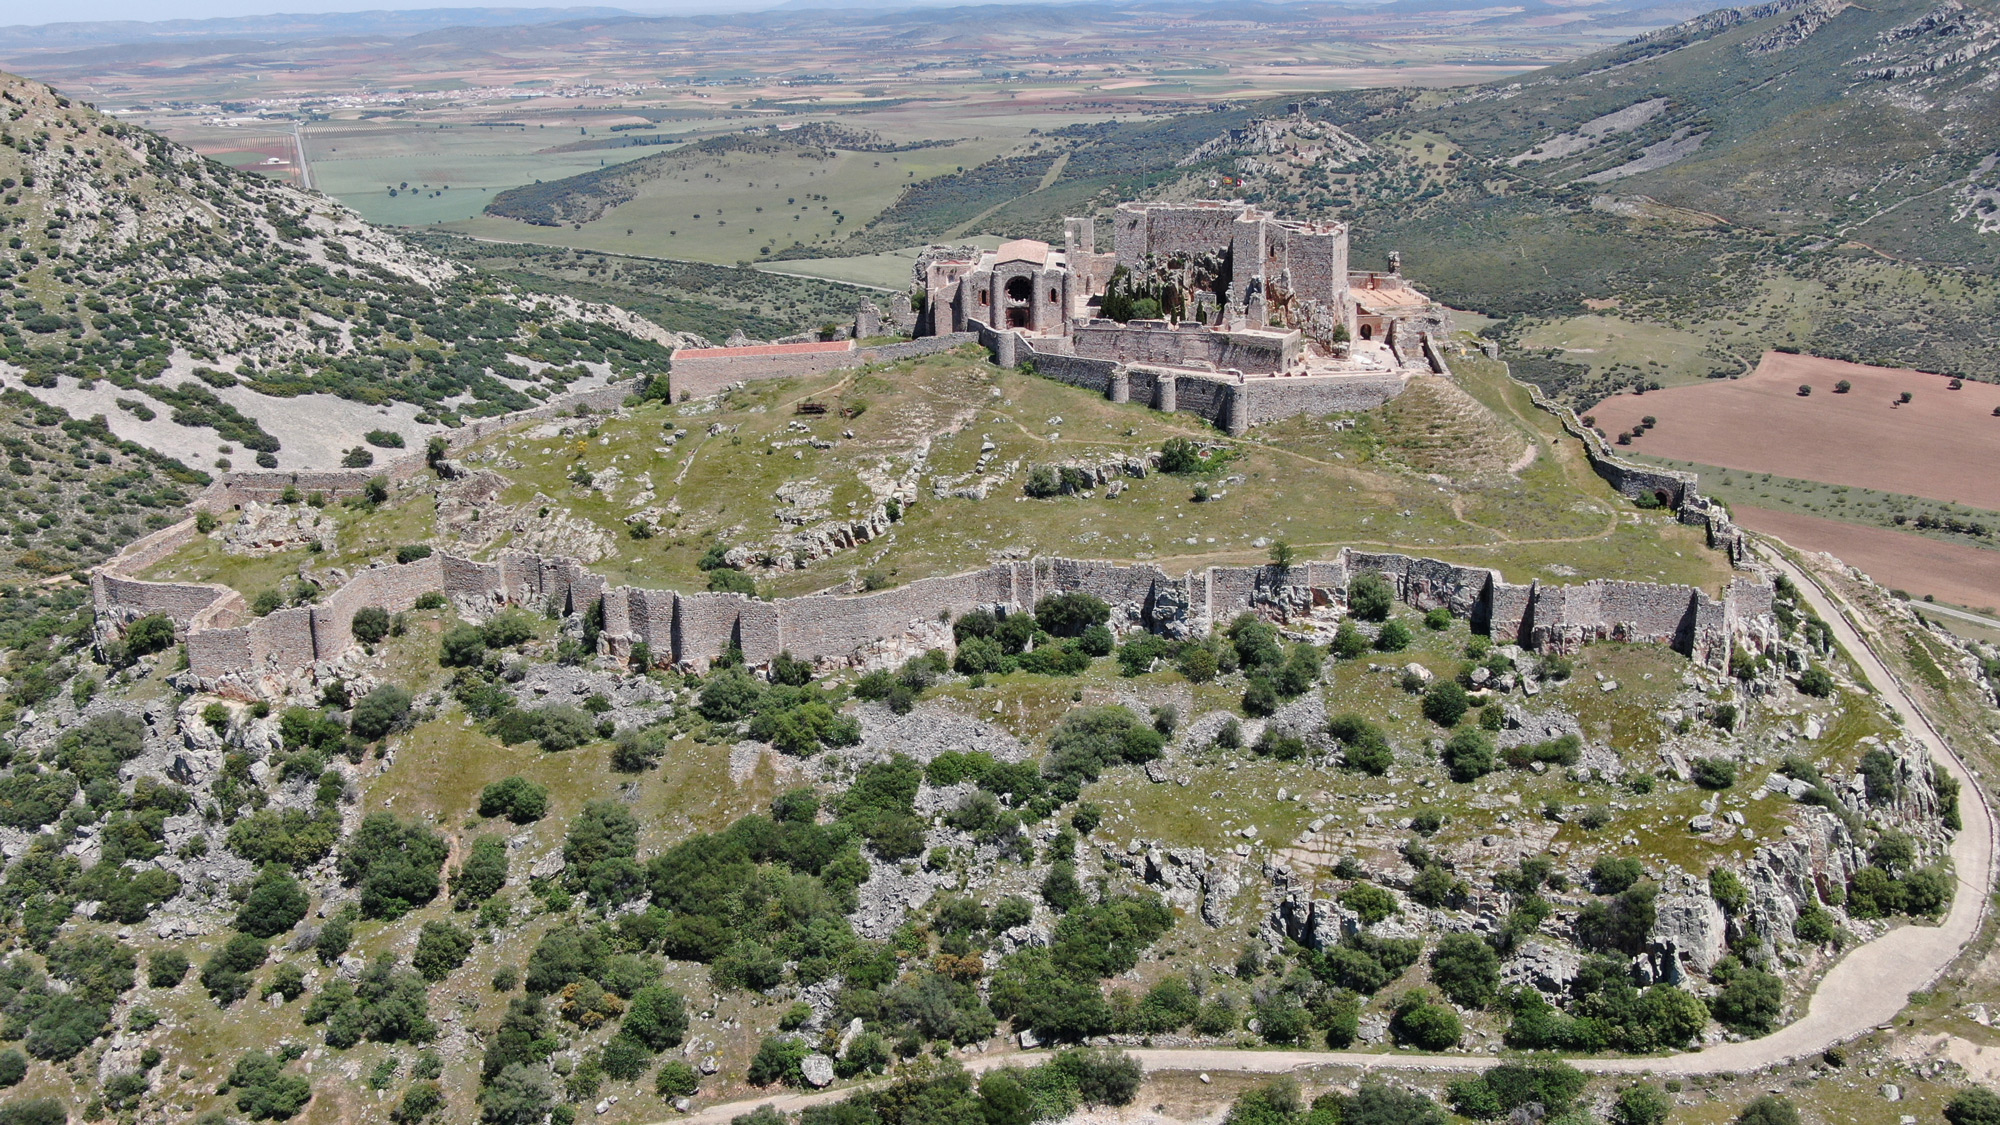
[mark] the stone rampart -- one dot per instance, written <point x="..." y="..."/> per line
<point x="692" y="629"/>
<point x="1270" y="400"/>
<point x="699" y="373"/>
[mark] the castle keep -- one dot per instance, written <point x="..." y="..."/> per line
<point x="1211" y="307"/>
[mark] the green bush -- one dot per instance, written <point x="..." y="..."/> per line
<point x="394" y="864"/>
<point x="441" y="948"/>
<point x="227" y="972"/>
<point x="516" y="798"/>
<point x="1714" y="773"/>
<point x="1370" y="597"/>
<point x="1612" y="875"/>
<point x="275" y="903"/>
<point x="1370" y="902"/>
<point x="1427" y="1026"/>
<point x="1445" y="703"/>
<point x="380" y="712"/>
<point x="370" y="624"/>
<point x="1642" y="1105"/>
<point x="1750" y="998"/>
<point x="165" y="968"/>
<point x="1394" y="636"/>
<point x="1467" y="970"/>
<point x="1975" y="1106"/>
<point x="1769" y="1110"/>
<point x="1468" y="755"/>
<point x="777" y="1061"/>
<point x="1364" y="746"/>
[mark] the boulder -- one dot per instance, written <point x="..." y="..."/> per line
<point x="1542" y="966"/>
<point x="818" y="1070"/>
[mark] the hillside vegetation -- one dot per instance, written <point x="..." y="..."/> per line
<point x="132" y="261"/>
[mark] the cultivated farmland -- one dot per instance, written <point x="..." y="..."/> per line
<point x="1940" y="444"/>
<point x="1951" y="572"/>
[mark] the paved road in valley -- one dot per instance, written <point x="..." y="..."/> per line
<point x="1862" y="991"/>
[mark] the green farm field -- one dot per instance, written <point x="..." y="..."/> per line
<point x="740" y="206"/>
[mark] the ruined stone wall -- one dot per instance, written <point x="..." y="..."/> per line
<point x="267" y="486"/>
<point x="699" y="376"/>
<point x="1089" y="374"/>
<point x="914" y="349"/>
<point x="1187" y="344"/>
<point x="1270" y="400"/>
<point x="394" y="588"/>
<point x="691" y="629"/>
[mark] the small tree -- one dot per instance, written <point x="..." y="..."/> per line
<point x="1839" y="388"/>
<point x="371" y="624"/>
<point x="1282" y="554"/>
<point x="1904" y="397"/>
<point x="1805" y="389"/>
<point x="1370" y="598"/>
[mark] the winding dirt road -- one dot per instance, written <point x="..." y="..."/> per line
<point x="1862" y="991"/>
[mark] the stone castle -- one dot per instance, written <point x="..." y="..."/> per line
<point x="1214" y="308"/>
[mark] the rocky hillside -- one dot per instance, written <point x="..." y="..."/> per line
<point x="139" y="279"/>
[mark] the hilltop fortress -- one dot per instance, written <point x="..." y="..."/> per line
<point x="1214" y="308"/>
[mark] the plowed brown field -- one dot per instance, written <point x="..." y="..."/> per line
<point x="1944" y="444"/>
<point x="1951" y="572"/>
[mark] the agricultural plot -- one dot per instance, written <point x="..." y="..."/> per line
<point x="743" y="205"/>
<point x="1928" y="446"/>
<point x="1951" y="572"/>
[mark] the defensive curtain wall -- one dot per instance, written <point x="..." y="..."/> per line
<point x="691" y="629"/>
<point x="701" y="372"/>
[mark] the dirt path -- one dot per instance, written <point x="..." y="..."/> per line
<point x="1862" y="991"/>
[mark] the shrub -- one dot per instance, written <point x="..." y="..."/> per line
<point x="275" y="903"/>
<point x="1364" y="746"/>
<point x="379" y="712"/>
<point x="778" y="1060"/>
<point x="1769" y="1110"/>
<point x="1370" y="902"/>
<point x="1714" y="773"/>
<point x="462" y="646"/>
<point x="441" y="948"/>
<point x="371" y="624"/>
<point x="383" y="439"/>
<point x="516" y="798"/>
<point x="1180" y="456"/>
<point x="1816" y="682"/>
<point x="1445" y="703"/>
<point x="1641" y="1105"/>
<point x="357" y="457"/>
<point x="1466" y="969"/>
<point x="165" y="968"/>
<point x="1613" y="875"/>
<point x="1419" y="1023"/>
<point x="1749" y="1000"/>
<point x="13" y="1068"/>
<point x="1349" y="642"/>
<point x="394" y="864"/>
<point x="677" y="1079"/>
<point x="1394" y="636"/>
<point x="149" y="634"/>
<point x="226" y="974"/>
<point x="1069" y="614"/>
<point x="1370" y="597"/>
<point x="1975" y="1106"/>
<point x="1549" y="1083"/>
<point x="1468" y="755"/>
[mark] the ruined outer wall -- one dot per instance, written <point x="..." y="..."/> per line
<point x="697" y="376"/>
<point x="691" y="629"/>
<point x="394" y="588"/>
<point x="1273" y="399"/>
